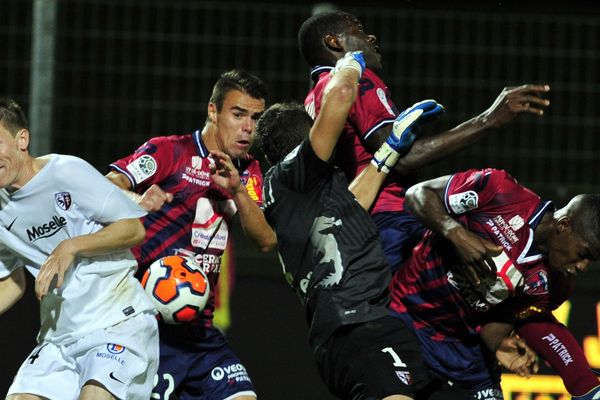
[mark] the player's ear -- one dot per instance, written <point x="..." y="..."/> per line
<point x="563" y="224"/>
<point x="212" y="113"/>
<point x="333" y="43"/>
<point x="22" y="139"/>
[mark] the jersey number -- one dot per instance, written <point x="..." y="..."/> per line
<point x="168" y="391"/>
<point x="36" y="355"/>
<point x="397" y="361"/>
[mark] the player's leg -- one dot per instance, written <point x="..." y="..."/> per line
<point x="374" y="360"/>
<point x="47" y="373"/>
<point x="93" y="390"/>
<point x="119" y="362"/>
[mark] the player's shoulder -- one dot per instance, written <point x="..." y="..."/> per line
<point x="64" y="162"/>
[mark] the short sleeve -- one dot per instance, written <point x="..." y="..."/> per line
<point x="94" y="195"/>
<point x="473" y="189"/>
<point x="148" y="165"/>
<point x="9" y="262"/>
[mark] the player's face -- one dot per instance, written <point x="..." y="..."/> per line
<point x="569" y="253"/>
<point x="236" y="123"/>
<point x="355" y="39"/>
<point x="12" y="156"/>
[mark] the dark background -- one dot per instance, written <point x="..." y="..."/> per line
<point x="127" y="70"/>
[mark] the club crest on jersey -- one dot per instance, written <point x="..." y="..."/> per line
<point x="142" y="168"/>
<point x="516" y="222"/>
<point x="63" y="200"/>
<point x="460" y="203"/>
<point x="537" y="283"/>
<point x="405" y="377"/>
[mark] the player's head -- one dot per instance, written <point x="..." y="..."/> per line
<point x="282" y="128"/>
<point x="326" y="37"/>
<point x="14" y="141"/>
<point x="236" y="103"/>
<point x="576" y="239"/>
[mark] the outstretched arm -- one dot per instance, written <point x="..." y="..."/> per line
<point x="121" y="234"/>
<point x="511" y="102"/>
<point x="151" y="200"/>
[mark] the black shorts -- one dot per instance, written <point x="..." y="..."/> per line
<point x="372" y="360"/>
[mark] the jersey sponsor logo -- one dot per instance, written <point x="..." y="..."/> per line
<point x="499" y="235"/>
<point x="323" y="239"/>
<point x="310" y="107"/>
<point x="233" y="373"/>
<point x="142" y="168"/>
<point x="489" y="394"/>
<point x="461" y="203"/>
<point x="536" y="284"/>
<point x="559" y="348"/>
<point x="115" y="348"/>
<point x="404" y="376"/>
<point x="63" y="200"/>
<point x="194" y="173"/>
<point x="46" y="230"/>
<point x="383" y="99"/>
<point x="252" y="187"/>
<point x="508" y="232"/>
<point x="516" y="222"/>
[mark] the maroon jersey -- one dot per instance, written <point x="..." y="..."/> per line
<point x="196" y="223"/>
<point x="372" y="109"/>
<point x="493" y="205"/>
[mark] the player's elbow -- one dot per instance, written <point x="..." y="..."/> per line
<point x="267" y="244"/>
<point x="138" y="232"/>
<point x="410" y="197"/>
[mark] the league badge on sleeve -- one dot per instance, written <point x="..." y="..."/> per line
<point x="142" y="168"/>
<point x="63" y="200"/>
<point x="461" y="203"/>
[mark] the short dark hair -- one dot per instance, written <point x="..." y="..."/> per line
<point x="12" y="116"/>
<point x="281" y="128"/>
<point x="585" y="220"/>
<point x="237" y="79"/>
<point x="314" y="30"/>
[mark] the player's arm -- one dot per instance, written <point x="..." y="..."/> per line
<point x="425" y="201"/>
<point x="118" y="235"/>
<point x="510" y="350"/>
<point x="366" y="185"/>
<point x="511" y="102"/>
<point x="554" y="343"/>
<point x="151" y="200"/>
<point x="12" y="289"/>
<point x="252" y="219"/>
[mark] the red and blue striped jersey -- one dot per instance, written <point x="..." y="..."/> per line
<point x="493" y="205"/>
<point x="372" y="109"/>
<point x="196" y="223"/>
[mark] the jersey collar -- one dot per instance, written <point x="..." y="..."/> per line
<point x="204" y="152"/>
<point x="531" y="253"/>
<point x="318" y="70"/>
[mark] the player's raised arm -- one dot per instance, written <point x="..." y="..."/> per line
<point x="338" y="98"/>
<point x="151" y="200"/>
<point x="12" y="288"/>
<point x="511" y="102"/>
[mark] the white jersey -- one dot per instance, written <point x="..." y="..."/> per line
<point x="65" y="199"/>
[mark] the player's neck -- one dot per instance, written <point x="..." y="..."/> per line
<point x="209" y="137"/>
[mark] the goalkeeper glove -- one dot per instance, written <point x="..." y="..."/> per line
<point x="352" y="59"/>
<point x="404" y="133"/>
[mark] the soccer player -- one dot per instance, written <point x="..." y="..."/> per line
<point x="329" y="246"/>
<point x="482" y="221"/>
<point x="326" y="37"/>
<point x="174" y="178"/>
<point x="72" y="229"/>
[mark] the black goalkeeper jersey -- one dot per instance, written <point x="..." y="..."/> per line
<point x="328" y="244"/>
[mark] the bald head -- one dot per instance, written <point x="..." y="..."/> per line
<point x="583" y="212"/>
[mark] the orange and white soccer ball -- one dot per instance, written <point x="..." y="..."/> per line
<point x="178" y="288"/>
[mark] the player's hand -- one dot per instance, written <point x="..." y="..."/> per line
<point x="513" y="354"/>
<point x="513" y="101"/>
<point x="404" y="133"/>
<point x="154" y="198"/>
<point x="476" y="255"/>
<point x="352" y="59"/>
<point x="52" y="271"/>
<point x="223" y="172"/>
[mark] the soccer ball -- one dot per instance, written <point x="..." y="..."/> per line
<point x="178" y="288"/>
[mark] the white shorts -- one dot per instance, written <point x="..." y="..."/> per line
<point x="123" y="358"/>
